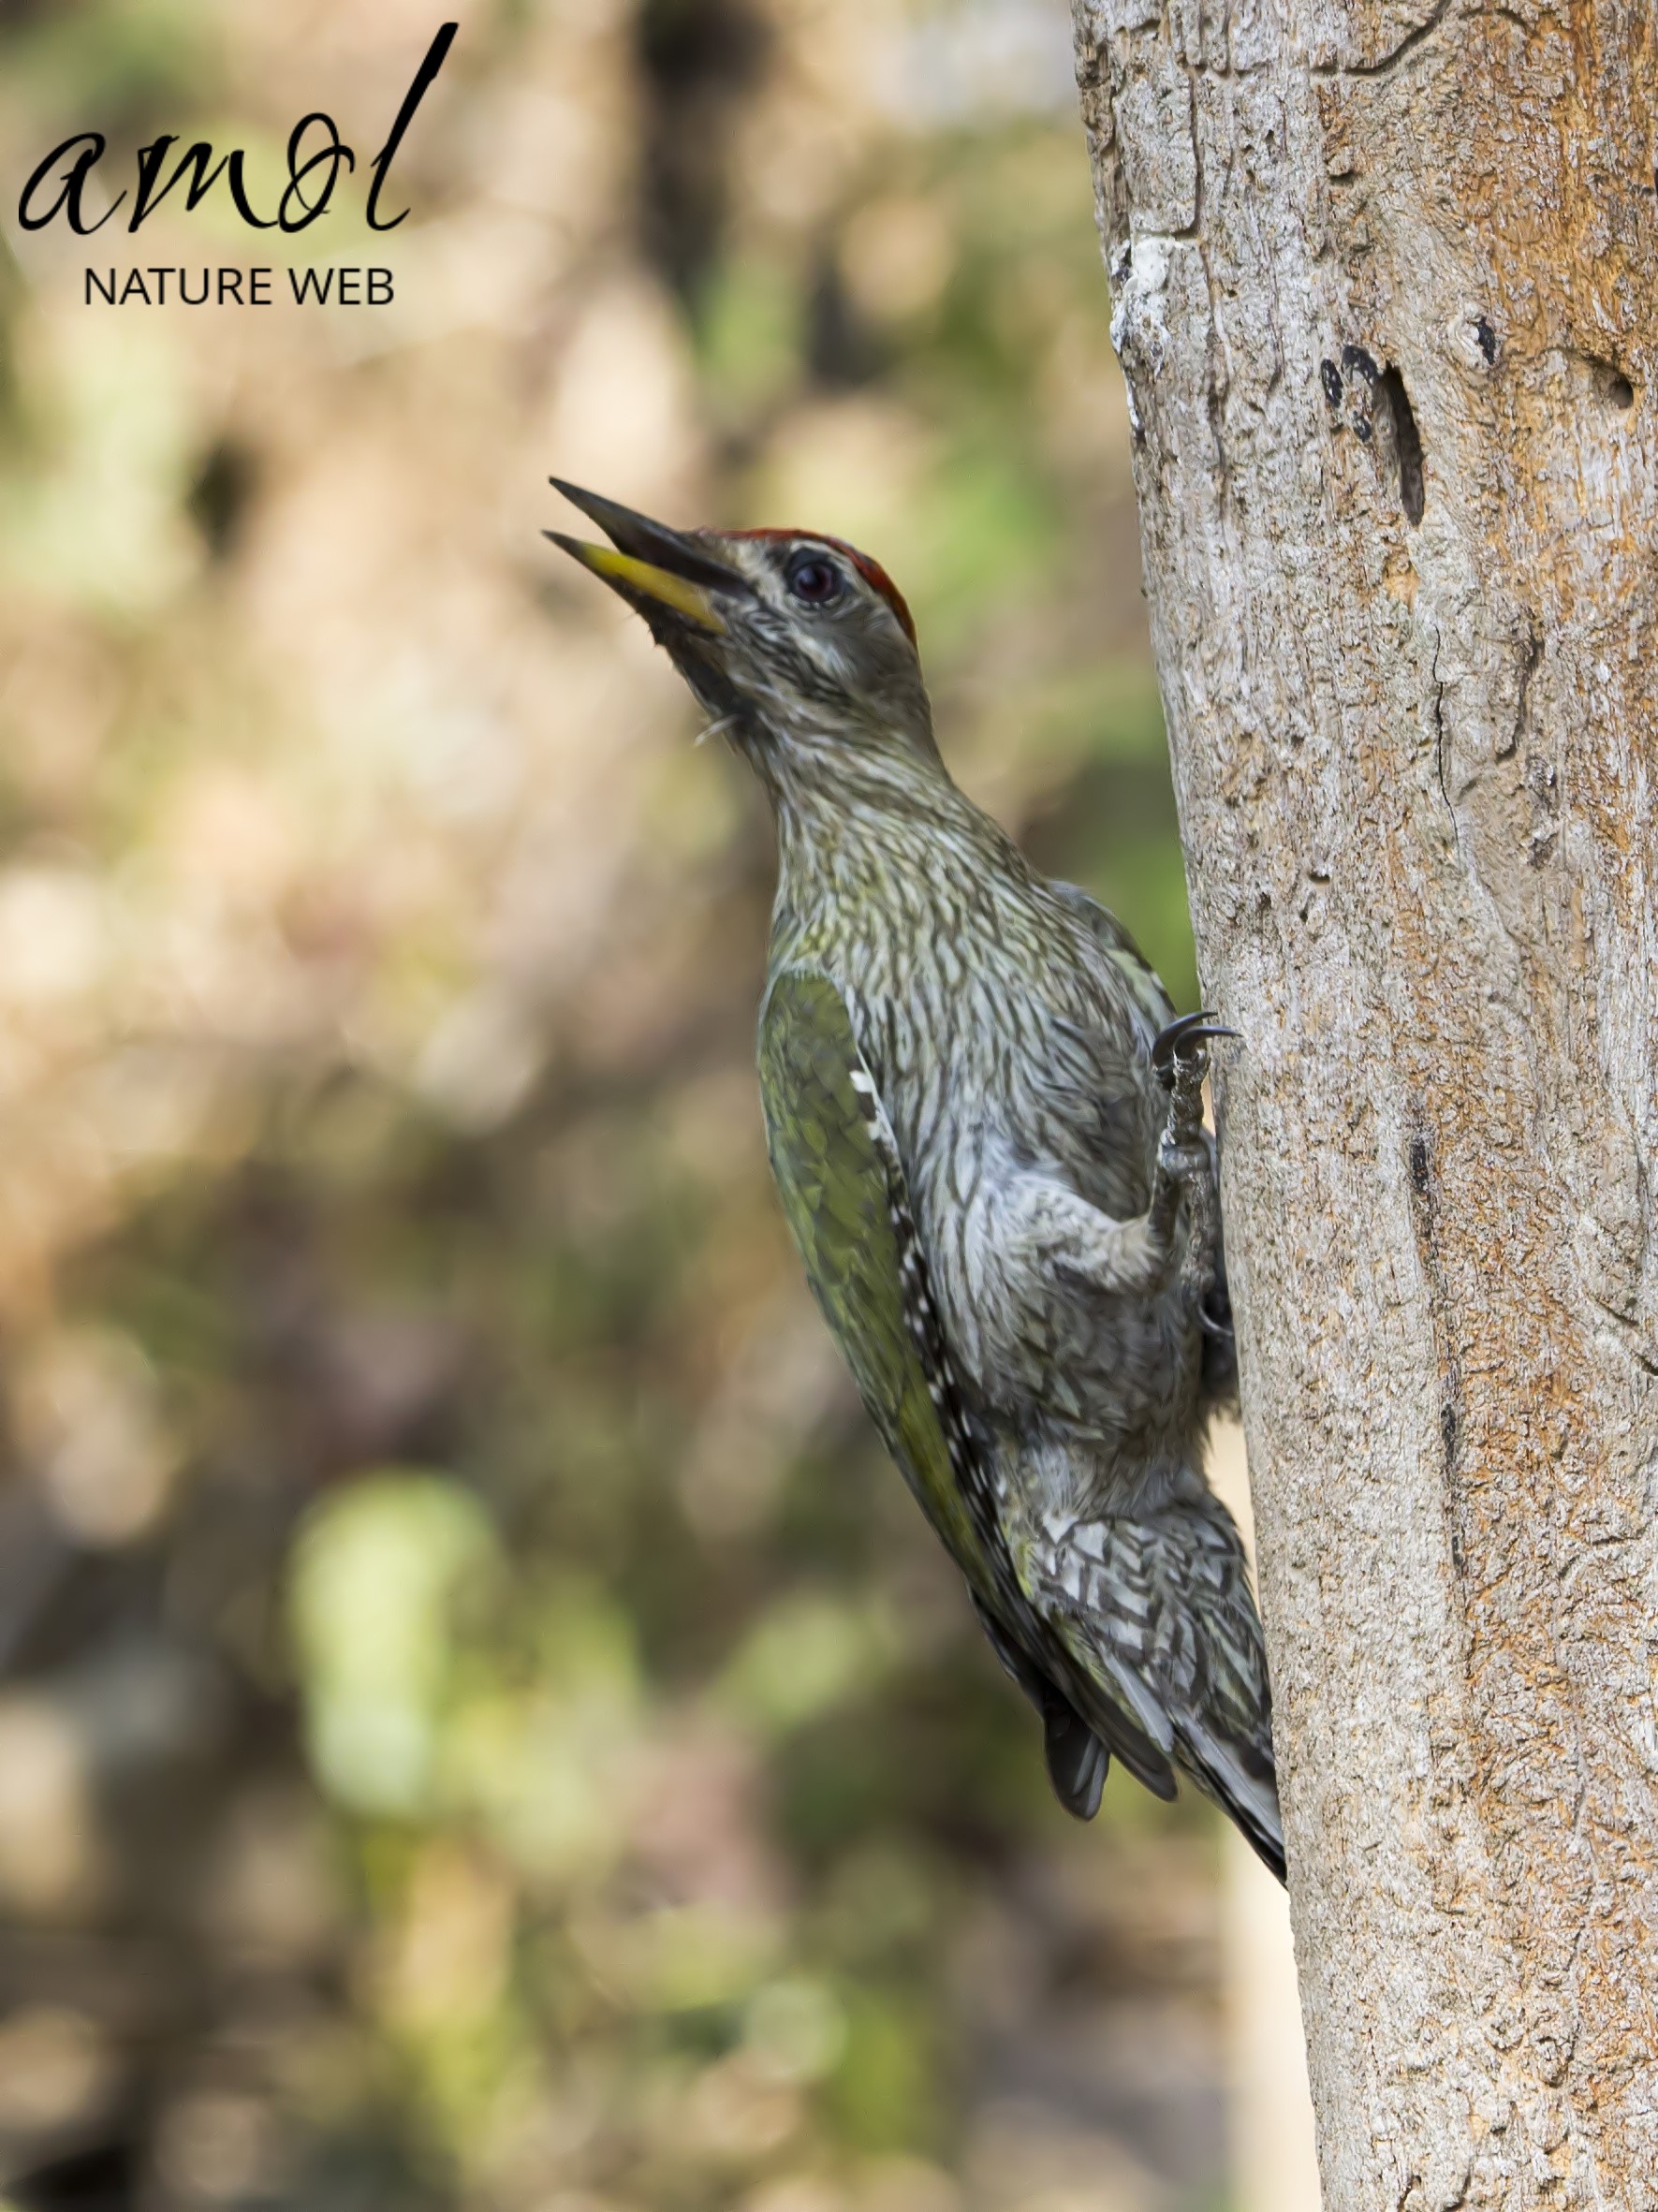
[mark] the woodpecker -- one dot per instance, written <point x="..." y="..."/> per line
<point x="986" y="1127"/>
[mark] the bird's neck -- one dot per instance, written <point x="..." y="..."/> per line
<point x="884" y="848"/>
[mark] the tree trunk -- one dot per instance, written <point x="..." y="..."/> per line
<point x="1385" y="280"/>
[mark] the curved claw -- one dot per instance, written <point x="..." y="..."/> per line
<point x="1191" y="1029"/>
<point x="1210" y="1029"/>
<point x="1170" y="1039"/>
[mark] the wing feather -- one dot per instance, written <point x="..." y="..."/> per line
<point x="844" y="1192"/>
<point x="846" y="1196"/>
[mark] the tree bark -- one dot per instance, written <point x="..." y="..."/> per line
<point x="1385" y="278"/>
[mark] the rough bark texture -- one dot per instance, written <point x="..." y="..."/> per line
<point x="1385" y="280"/>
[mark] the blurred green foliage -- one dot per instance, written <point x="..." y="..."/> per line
<point x="572" y="1777"/>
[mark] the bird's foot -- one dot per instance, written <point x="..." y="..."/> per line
<point x="1180" y="1058"/>
<point x="1184" y="1034"/>
<point x="1186" y="1157"/>
<point x="1181" y="1159"/>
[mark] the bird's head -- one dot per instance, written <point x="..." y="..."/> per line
<point x="795" y="644"/>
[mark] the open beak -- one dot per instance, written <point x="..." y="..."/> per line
<point x="653" y="567"/>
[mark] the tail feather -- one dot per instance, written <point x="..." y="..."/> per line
<point x="1160" y="1606"/>
<point x="1250" y="1799"/>
<point x="1077" y="1761"/>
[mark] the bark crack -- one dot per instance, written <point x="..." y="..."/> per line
<point x="1419" y="1164"/>
<point x="1528" y="668"/>
<point x="1389" y="62"/>
<point x="1439" y="744"/>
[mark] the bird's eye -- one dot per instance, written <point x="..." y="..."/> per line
<point x="811" y="578"/>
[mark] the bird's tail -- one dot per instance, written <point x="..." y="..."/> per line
<point x="1162" y="1608"/>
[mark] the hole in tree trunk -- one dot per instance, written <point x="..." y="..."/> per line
<point x="1394" y="407"/>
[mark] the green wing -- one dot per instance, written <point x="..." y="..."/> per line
<point x="844" y="1191"/>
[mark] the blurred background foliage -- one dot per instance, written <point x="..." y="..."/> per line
<point x="481" y="1725"/>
